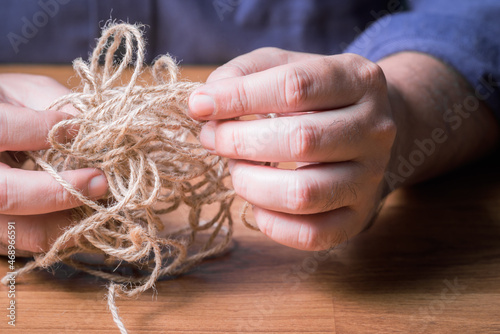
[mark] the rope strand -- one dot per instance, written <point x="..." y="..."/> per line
<point x="148" y="149"/>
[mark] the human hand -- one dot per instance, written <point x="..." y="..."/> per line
<point x="336" y="119"/>
<point x="33" y="199"/>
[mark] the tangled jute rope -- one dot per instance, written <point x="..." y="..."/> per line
<point x="147" y="147"/>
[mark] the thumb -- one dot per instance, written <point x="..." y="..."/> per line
<point x="312" y="84"/>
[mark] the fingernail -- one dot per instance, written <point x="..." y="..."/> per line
<point x="202" y="105"/>
<point x="207" y="137"/>
<point x="98" y="186"/>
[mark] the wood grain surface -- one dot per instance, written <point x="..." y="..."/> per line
<point x="429" y="264"/>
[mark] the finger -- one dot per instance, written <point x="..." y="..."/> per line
<point x="24" y="129"/>
<point x="306" y="190"/>
<point x="309" y="232"/>
<point x="313" y="137"/>
<point x="314" y="84"/>
<point x="26" y="192"/>
<point x="257" y="61"/>
<point x="33" y="233"/>
<point x="31" y="91"/>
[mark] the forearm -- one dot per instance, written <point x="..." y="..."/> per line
<point x="442" y="122"/>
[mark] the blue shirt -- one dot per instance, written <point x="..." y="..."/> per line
<point x="462" y="33"/>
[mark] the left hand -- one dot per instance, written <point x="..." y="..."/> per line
<point x="33" y="200"/>
<point x="335" y="118"/>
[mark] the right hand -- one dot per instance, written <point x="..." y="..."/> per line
<point x="34" y="200"/>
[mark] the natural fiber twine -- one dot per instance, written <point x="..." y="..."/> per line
<point x="146" y="145"/>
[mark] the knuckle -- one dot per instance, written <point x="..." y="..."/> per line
<point x="232" y="69"/>
<point x="302" y="140"/>
<point x="237" y="147"/>
<point x="300" y="196"/>
<point x="239" y="100"/>
<point x="387" y="131"/>
<point x="308" y="237"/>
<point x="296" y="84"/>
<point x="368" y="72"/>
<point x="6" y="201"/>
<point x="384" y="133"/>
<point x="62" y="198"/>
<point x="373" y="76"/>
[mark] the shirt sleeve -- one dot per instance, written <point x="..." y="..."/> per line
<point x="463" y="34"/>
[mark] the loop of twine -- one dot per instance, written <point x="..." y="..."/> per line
<point x="147" y="147"/>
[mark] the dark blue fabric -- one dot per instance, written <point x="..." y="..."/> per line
<point x="208" y="32"/>
<point x="463" y="33"/>
<point x="195" y="31"/>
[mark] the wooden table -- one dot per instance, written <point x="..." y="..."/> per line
<point x="430" y="264"/>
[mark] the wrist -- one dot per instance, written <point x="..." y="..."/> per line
<point x="424" y="94"/>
